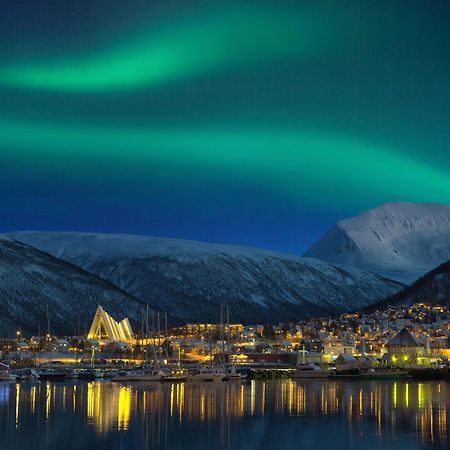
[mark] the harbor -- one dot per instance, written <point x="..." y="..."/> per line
<point x="388" y="344"/>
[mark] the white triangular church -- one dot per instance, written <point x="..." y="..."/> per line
<point x="104" y="327"/>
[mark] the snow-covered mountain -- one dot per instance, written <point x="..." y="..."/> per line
<point x="433" y="287"/>
<point x="191" y="279"/>
<point x="31" y="280"/>
<point x="401" y="241"/>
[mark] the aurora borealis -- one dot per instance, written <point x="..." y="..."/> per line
<point x="258" y="123"/>
<point x="202" y="44"/>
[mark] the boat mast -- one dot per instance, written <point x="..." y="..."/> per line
<point x="159" y="331"/>
<point x="48" y="321"/>
<point x="48" y="337"/>
<point x="165" y="339"/>
<point x="228" y="336"/>
<point x="146" y="336"/>
<point x="142" y="336"/>
<point x="155" y="356"/>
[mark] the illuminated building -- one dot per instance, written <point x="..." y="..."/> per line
<point x="104" y="327"/>
<point x="198" y="329"/>
<point x="404" y="349"/>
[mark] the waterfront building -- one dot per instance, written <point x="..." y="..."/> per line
<point x="405" y="350"/>
<point x="105" y="327"/>
<point x="234" y="330"/>
<point x="306" y="357"/>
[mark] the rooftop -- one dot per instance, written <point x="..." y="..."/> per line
<point x="405" y="339"/>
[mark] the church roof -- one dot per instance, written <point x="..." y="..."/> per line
<point x="104" y="325"/>
<point x="405" y="339"/>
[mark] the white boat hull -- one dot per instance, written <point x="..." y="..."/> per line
<point x="235" y="377"/>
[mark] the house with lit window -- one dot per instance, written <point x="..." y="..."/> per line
<point x="405" y="350"/>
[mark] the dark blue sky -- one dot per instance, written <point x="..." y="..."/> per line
<point x="258" y="123"/>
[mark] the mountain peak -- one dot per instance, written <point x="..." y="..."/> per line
<point x="192" y="279"/>
<point x="398" y="240"/>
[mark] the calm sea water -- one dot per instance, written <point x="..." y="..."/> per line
<point x="282" y="414"/>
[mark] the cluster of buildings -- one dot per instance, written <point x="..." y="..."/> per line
<point x="417" y="336"/>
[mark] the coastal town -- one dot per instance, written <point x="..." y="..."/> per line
<point x="393" y="342"/>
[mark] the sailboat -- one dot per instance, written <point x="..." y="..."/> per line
<point x="231" y="370"/>
<point x="175" y="373"/>
<point x="139" y="374"/>
<point x="233" y="374"/>
<point x="143" y="373"/>
<point x="207" y="373"/>
<point x="5" y="374"/>
<point x="46" y="373"/>
<point x="91" y="373"/>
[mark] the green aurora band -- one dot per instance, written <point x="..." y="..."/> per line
<point x="303" y="163"/>
<point x="213" y="42"/>
<point x="255" y="122"/>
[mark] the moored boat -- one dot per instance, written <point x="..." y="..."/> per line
<point x="72" y="374"/>
<point x="311" y="371"/>
<point x="22" y="374"/>
<point x="207" y="373"/>
<point x="5" y="374"/>
<point x="234" y="375"/>
<point x="90" y="374"/>
<point x="49" y="374"/>
<point x="175" y="375"/>
<point x="135" y="375"/>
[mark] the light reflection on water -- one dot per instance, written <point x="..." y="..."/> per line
<point x="261" y="415"/>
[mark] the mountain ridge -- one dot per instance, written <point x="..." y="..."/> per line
<point x="398" y="240"/>
<point x="433" y="287"/>
<point x="32" y="280"/>
<point x="190" y="280"/>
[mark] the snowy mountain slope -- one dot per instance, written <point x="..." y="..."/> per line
<point x="30" y="280"/>
<point x="433" y="287"/>
<point x="191" y="279"/>
<point x="401" y="241"/>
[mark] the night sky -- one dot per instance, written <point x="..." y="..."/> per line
<point x="247" y="122"/>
